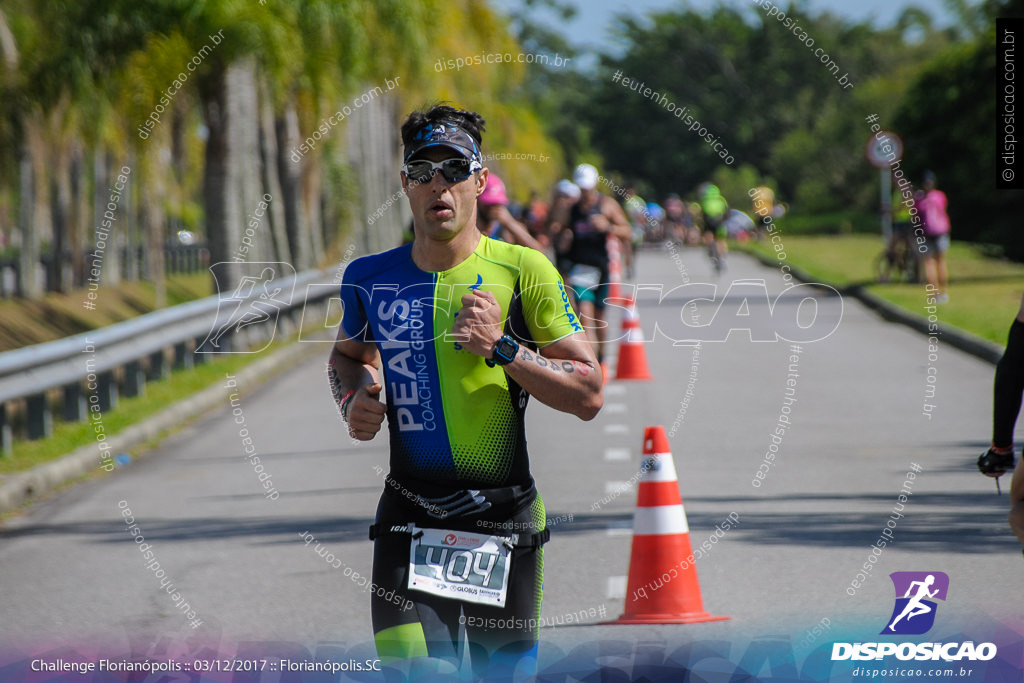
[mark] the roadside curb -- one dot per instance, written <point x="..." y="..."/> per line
<point x="954" y="336"/>
<point x="22" y="487"/>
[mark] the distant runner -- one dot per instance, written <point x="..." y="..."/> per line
<point x="936" y="237"/>
<point x="583" y="245"/>
<point x="494" y="220"/>
<point x="764" y="209"/>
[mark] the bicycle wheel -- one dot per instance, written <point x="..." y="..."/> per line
<point x="883" y="267"/>
<point x="913" y="270"/>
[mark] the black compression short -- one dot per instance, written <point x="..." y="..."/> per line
<point x="421" y="624"/>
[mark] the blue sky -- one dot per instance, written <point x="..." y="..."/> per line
<point x="594" y="17"/>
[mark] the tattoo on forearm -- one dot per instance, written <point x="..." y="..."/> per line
<point x="566" y="366"/>
<point x="335" y="382"/>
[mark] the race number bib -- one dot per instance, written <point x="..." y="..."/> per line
<point x="460" y="565"/>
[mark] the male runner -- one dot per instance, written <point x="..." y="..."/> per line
<point x="464" y="329"/>
<point x="1007" y="393"/>
<point x="494" y="220"/>
<point x="583" y="243"/>
<point x="675" y="219"/>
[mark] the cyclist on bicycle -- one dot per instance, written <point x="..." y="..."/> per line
<point x="900" y="256"/>
<point x="714" y="208"/>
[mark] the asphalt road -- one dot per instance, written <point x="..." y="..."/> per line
<point x="71" y="574"/>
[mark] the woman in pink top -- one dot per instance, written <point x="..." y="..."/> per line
<point x="936" y="237"/>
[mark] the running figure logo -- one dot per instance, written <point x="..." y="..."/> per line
<point x="255" y="300"/>
<point x="914" y="612"/>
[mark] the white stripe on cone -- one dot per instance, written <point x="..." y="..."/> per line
<point x="658" y="467"/>
<point x="660" y="520"/>
<point x="634" y="336"/>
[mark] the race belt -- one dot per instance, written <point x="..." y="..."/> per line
<point x="461" y="565"/>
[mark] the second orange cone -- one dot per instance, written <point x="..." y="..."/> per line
<point x="632" y="355"/>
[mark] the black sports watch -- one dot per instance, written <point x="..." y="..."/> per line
<point x="505" y="350"/>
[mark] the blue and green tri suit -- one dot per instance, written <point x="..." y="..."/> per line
<point x="458" y="448"/>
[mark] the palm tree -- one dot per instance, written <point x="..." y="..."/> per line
<point x="24" y="117"/>
<point x="268" y="75"/>
<point x="8" y="75"/>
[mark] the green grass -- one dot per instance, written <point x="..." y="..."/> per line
<point x="67" y="436"/>
<point x="984" y="292"/>
<point x="839" y="260"/>
<point x="60" y="315"/>
<point x="835" y="223"/>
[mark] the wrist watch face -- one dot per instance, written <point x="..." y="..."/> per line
<point x="505" y="350"/>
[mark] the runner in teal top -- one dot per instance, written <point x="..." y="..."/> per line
<point x="455" y="332"/>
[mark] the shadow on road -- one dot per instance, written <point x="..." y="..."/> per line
<point x="976" y="524"/>
<point x="261" y="530"/>
<point x="982" y="528"/>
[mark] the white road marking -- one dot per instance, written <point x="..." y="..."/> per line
<point x="617" y="454"/>
<point x="616" y="486"/>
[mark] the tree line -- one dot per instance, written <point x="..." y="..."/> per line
<point x="212" y="108"/>
<point x="218" y="107"/>
<point x="786" y="91"/>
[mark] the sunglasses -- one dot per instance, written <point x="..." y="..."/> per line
<point x="453" y="170"/>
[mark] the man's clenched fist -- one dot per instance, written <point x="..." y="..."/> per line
<point x="365" y="413"/>
<point x="478" y="324"/>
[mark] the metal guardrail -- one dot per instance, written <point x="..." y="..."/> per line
<point x="178" y="258"/>
<point x="95" y="356"/>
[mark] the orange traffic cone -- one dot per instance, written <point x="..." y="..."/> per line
<point x="632" y="355"/>
<point x="662" y="586"/>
